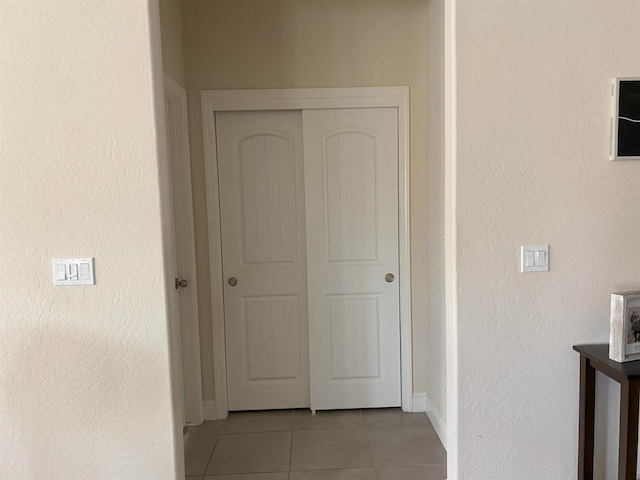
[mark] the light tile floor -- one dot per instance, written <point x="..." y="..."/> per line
<point x="380" y="444"/>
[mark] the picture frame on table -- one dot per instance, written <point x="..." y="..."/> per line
<point x="624" y="340"/>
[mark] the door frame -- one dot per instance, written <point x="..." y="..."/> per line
<point x="178" y="128"/>
<point x="305" y="99"/>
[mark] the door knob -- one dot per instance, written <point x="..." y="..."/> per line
<point x="181" y="283"/>
<point x="389" y="277"/>
<point x="233" y="281"/>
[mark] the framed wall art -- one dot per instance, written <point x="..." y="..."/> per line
<point x="626" y="119"/>
<point x="624" y="340"/>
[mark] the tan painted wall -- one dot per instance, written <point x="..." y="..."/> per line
<point x="435" y="349"/>
<point x="85" y="371"/>
<point x="171" y="34"/>
<point x="534" y="116"/>
<point x="240" y="44"/>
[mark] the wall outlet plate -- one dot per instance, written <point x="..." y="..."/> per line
<point x="534" y="258"/>
<point x="73" y="271"/>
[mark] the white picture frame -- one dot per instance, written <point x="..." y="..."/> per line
<point x="624" y="340"/>
<point x="625" y="121"/>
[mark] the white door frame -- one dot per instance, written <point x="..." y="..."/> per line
<point x="304" y="99"/>
<point x="178" y="127"/>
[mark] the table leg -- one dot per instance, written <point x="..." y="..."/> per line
<point x="587" y="419"/>
<point x="629" y="404"/>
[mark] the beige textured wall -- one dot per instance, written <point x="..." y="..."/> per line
<point x="84" y="382"/>
<point x="171" y="33"/>
<point x="240" y="44"/>
<point x="534" y="116"/>
<point x="435" y="348"/>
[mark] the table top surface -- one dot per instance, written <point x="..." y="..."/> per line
<point x="599" y="356"/>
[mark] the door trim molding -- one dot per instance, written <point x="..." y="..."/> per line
<point x="305" y="99"/>
<point x="176" y="97"/>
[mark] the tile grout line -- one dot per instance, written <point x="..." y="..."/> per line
<point x="366" y="434"/>
<point x="293" y="421"/>
<point x="291" y="429"/>
<point x="213" y="450"/>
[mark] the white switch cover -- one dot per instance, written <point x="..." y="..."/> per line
<point x="73" y="271"/>
<point x="534" y="258"/>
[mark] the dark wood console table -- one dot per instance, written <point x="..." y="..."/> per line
<point x="596" y="357"/>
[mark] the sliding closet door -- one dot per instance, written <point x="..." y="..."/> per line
<point x="263" y="241"/>
<point x="351" y="197"/>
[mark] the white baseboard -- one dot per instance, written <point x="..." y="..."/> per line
<point x="436" y="420"/>
<point x="420" y="402"/>
<point x="209" y="410"/>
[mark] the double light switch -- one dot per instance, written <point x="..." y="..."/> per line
<point x="534" y="258"/>
<point x="73" y="271"/>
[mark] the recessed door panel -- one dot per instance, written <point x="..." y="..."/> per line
<point x="355" y="325"/>
<point x="272" y="336"/>
<point x="350" y="195"/>
<point x="267" y="183"/>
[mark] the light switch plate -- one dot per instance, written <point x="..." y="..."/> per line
<point x="534" y="258"/>
<point x="73" y="271"/>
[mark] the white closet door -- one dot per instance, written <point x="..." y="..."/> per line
<point x="351" y="197"/>
<point x="263" y="243"/>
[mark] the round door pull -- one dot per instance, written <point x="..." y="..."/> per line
<point x="233" y="281"/>
<point x="181" y="283"/>
<point x="389" y="277"/>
